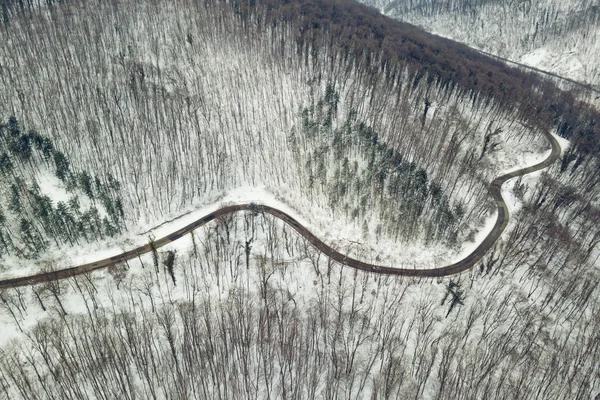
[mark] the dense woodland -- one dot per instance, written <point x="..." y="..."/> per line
<point x="363" y="33"/>
<point x="183" y="118"/>
<point x="32" y="221"/>
<point x="285" y="322"/>
<point x="172" y="103"/>
<point x="553" y="35"/>
<point x="399" y="189"/>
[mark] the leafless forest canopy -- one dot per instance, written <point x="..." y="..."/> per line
<point x="281" y="321"/>
<point x="143" y="110"/>
<point x="177" y="111"/>
<point x="562" y="36"/>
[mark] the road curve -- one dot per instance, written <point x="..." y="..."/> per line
<point x="469" y="261"/>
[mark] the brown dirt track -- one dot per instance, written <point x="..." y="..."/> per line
<point x="452" y="269"/>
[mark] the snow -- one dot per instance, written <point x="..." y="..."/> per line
<point x="564" y="143"/>
<point x="536" y="57"/>
<point x="468" y="247"/>
<point x="267" y="111"/>
<point x="343" y="237"/>
<point x="567" y="63"/>
<point x="529" y="160"/>
<point x="51" y="186"/>
<point x="512" y="202"/>
<point x="542" y="34"/>
<point x="495" y="294"/>
<point x="346" y="238"/>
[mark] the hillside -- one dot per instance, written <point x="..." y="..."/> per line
<point x="123" y="123"/>
<point x="198" y="114"/>
<point x="560" y="37"/>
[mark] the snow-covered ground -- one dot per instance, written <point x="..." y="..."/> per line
<point x="529" y="180"/>
<point x="289" y="316"/>
<point x="555" y="36"/>
<point x="361" y="316"/>
<point x="226" y="114"/>
<point x="348" y="238"/>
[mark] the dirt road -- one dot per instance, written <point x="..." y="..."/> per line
<point x="452" y="269"/>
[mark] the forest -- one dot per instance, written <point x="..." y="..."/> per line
<point x="119" y="117"/>
<point x="179" y="121"/>
<point x="31" y="218"/>
<point x="363" y="30"/>
<point x="557" y="37"/>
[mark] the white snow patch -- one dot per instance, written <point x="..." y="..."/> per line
<point x="564" y="143"/>
<point x="51" y="186"/>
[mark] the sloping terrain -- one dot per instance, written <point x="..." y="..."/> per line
<point x="557" y="36"/>
<point x="34" y="175"/>
<point x="380" y="139"/>
<point x="180" y="118"/>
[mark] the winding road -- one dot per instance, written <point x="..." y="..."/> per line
<point x="466" y="263"/>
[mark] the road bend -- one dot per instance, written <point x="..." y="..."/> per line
<point x="495" y="190"/>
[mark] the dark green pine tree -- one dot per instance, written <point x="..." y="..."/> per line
<point x="109" y="228"/>
<point x="61" y="162"/>
<point x="13" y="127"/>
<point x="47" y="148"/>
<point x="119" y="208"/>
<point x="22" y="147"/>
<point x="3" y="243"/>
<point x="30" y="239"/>
<point x="6" y="165"/>
<point x="84" y="181"/>
<point x="67" y="225"/>
<point x="15" y="199"/>
<point x="169" y="264"/>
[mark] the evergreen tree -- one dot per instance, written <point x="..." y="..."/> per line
<point x="29" y="237"/>
<point x="6" y="165"/>
<point x="109" y="228"/>
<point x="61" y="163"/>
<point x="22" y="147"/>
<point x="85" y="183"/>
<point x="119" y="208"/>
<point x="15" y="199"/>
<point x="13" y="127"/>
<point x="47" y="148"/>
<point x="169" y="264"/>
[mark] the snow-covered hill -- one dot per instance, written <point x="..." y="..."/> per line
<point x="188" y="104"/>
<point x="184" y="117"/>
<point x="557" y="36"/>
